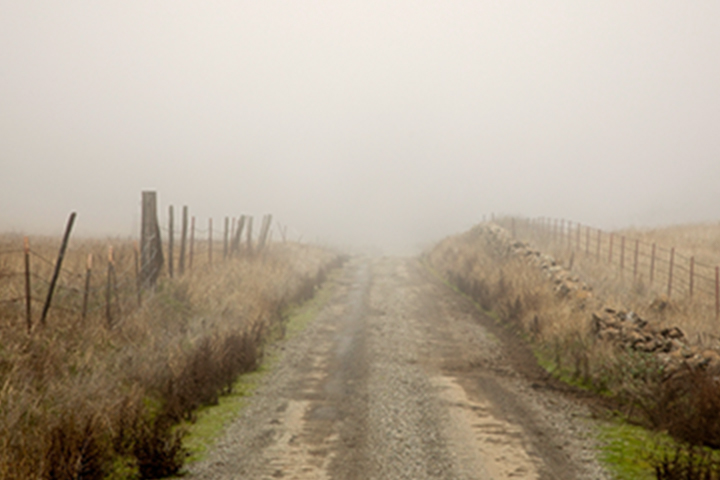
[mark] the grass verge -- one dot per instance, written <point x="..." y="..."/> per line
<point x="211" y="421"/>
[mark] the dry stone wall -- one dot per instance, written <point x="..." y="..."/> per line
<point x="623" y="328"/>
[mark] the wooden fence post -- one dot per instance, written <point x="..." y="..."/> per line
<point x="58" y="266"/>
<point x="670" y="272"/>
<point x="579" y="231"/>
<point x="28" y="295"/>
<point x="192" y="242"/>
<point x="138" y="286"/>
<point x="635" y="260"/>
<point x="610" y="251"/>
<point x="171" y="241"/>
<point x="587" y="240"/>
<point x="225" y="238"/>
<point x="717" y="293"/>
<point x="238" y="234"/>
<point x="652" y="264"/>
<point x="249" y="235"/>
<point x="598" y="244"/>
<point x="231" y="236"/>
<point x="151" y="257"/>
<point x="569" y="234"/>
<point x="692" y="275"/>
<point x="622" y="253"/>
<point x="108" y="288"/>
<point x="210" y="241"/>
<point x="183" y="240"/>
<point x="86" y="292"/>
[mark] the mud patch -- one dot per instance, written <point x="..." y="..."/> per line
<point x="483" y="443"/>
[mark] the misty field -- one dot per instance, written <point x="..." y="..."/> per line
<point x="100" y="394"/>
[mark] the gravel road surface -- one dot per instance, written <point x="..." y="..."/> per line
<point x="399" y="377"/>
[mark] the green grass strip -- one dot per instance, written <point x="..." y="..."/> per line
<point x="211" y="421"/>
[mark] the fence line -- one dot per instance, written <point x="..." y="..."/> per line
<point x="667" y="268"/>
<point x="119" y="289"/>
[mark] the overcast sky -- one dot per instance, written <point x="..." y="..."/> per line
<point x="359" y="122"/>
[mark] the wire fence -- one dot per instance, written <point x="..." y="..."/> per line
<point x="665" y="269"/>
<point x="104" y="281"/>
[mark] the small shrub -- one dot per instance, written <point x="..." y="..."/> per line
<point x="158" y="449"/>
<point x="687" y="463"/>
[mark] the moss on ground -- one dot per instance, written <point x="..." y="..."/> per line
<point x="210" y="422"/>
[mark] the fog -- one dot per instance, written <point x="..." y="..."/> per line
<point x="359" y="122"/>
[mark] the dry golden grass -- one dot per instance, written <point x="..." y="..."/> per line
<point x="504" y="276"/>
<point x="628" y="290"/>
<point x="84" y="399"/>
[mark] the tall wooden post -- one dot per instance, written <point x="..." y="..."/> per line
<point x="151" y="256"/>
<point x="28" y="296"/>
<point x="171" y="241"/>
<point x="622" y="253"/>
<point x="183" y="240"/>
<point x="192" y="242"/>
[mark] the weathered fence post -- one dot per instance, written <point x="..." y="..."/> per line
<point x="670" y="271"/>
<point x="183" y="240"/>
<point x="231" y="236"/>
<point x="108" y="288"/>
<point x="171" y="241"/>
<point x="225" y="238"/>
<point x="610" y="251"/>
<point x="635" y="260"/>
<point x="717" y="293"/>
<point x="28" y="295"/>
<point x="579" y="231"/>
<point x="652" y="264"/>
<point x="192" y="242"/>
<point x="237" y="238"/>
<point x="86" y="292"/>
<point x="249" y="235"/>
<point x="210" y="241"/>
<point x="587" y="240"/>
<point x="138" y="286"/>
<point x="151" y="257"/>
<point x="262" y="240"/>
<point x="622" y="253"/>
<point x="58" y="266"/>
<point x="692" y="275"/>
<point x="599" y="241"/>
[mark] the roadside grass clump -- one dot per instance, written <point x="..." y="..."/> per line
<point x="92" y="400"/>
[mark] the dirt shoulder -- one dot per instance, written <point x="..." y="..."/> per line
<point x="400" y="377"/>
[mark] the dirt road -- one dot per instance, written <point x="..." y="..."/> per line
<point x="400" y="378"/>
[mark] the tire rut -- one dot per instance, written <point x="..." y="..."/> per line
<point x="397" y="378"/>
